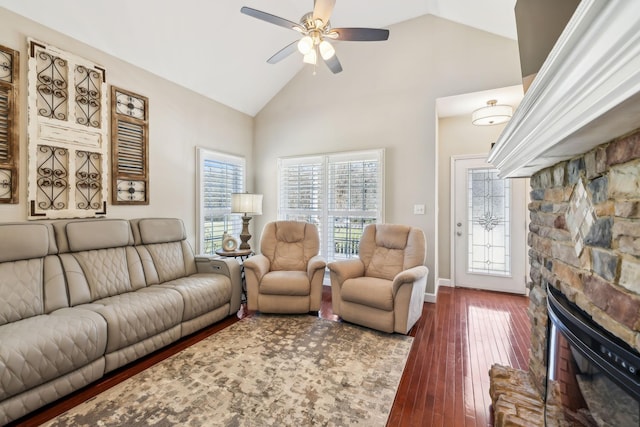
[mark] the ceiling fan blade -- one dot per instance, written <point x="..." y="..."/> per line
<point x="272" y="19"/>
<point x="323" y="9"/>
<point x="333" y="64"/>
<point x="283" y="53"/>
<point x="360" y="34"/>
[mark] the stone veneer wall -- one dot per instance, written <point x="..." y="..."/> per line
<point x="604" y="280"/>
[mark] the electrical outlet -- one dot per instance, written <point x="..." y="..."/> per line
<point x="418" y="209"/>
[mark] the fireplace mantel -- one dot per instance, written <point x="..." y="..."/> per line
<point x="586" y="93"/>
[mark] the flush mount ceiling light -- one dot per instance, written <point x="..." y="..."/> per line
<point x="492" y="114"/>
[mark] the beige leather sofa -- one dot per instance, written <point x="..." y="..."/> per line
<point x="384" y="288"/>
<point x="286" y="277"/>
<point x="79" y="298"/>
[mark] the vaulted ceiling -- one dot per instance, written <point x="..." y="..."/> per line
<point x="208" y="46"/>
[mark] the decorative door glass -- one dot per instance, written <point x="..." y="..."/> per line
<point x="488" y="228"/>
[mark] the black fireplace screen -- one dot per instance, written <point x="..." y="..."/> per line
<point x="593" y="377"/>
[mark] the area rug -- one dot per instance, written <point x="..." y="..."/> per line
<point x="265" y="370"/>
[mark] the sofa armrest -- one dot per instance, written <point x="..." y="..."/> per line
<point x="410" y="275"/>
<point x="213" y="264"/>
<point x="227" y="267"/>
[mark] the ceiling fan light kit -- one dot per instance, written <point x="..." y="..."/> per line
<point x="315" y="28"/>
<point x="310" y="58"/>
<point x="305" y="45"/>
<point x="326" y="50"/>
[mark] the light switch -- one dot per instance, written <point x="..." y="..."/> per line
<point x="418" y="209"/>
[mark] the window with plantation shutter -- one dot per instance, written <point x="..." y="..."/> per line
<point x="218" y="176"/>
<point x="301" y="189"/>
<point x="340" y="193"/>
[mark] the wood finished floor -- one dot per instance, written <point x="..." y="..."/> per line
<point x="445" y="382"/>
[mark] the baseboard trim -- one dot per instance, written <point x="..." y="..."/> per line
<point x="445" y="282"/>
<point x="431" y="298"/>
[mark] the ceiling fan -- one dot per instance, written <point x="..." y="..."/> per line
<point x="316" y="32"/>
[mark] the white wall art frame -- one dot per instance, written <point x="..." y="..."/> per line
<point x="68" y="134"/>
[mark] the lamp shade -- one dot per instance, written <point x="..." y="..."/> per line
<point x="492" y="114"/>
<point x="246" y="203"/>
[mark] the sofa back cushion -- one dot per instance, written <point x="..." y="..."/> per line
<point x="289" y="245"/>
<point x="28" y="272"/>
<point x="158" y="230"/>
<point x="74" y="235"/>
<point x="99" y="258"/>
<point x="388" y="249"/>
<point x="163" y="248"/>
<point x="25" y="241"/>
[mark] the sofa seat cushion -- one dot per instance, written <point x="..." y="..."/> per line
<point x="369" y="291"/>
<point x="42" y="348"/>
<point x="135" y="316"/>
<point x="295" y="283"/>
<point x="201" y="293"/>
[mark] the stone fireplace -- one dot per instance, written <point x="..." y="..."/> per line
<point x="576" y="135"/>
<point x="598" y="269"/>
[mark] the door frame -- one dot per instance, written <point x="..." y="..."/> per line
<point x="452" y="243"/>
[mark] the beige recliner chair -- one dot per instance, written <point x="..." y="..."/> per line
<point x="287" y="276"/>
<point x="384" y="288"/>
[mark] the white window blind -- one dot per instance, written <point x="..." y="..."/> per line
<point x="340" y="193"/>
<point x="219" y="175"/>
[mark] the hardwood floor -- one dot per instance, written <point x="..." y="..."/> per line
<point x="446" y="379"/>
<point x="445" y="382"/>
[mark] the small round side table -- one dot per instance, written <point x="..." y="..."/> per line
<point x="241" y="255"/>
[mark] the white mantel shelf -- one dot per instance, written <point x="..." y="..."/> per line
<point x="586" y="93"/>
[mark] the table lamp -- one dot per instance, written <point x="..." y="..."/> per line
<point x="246" y="204"/>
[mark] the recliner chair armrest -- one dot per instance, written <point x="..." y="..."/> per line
<point x="410" y="275"/>
<point x="258" y="264"/>
<point x="347" y="269"/>
<point x="316" y="263"/>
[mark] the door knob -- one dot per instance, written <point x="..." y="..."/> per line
<point x="459" y="224"/>
<point x="459" y="233"/>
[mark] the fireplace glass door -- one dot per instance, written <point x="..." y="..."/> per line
<point x="593" y="378"/>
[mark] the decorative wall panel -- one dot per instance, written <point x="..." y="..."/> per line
<point x="9" y="72"/>
<point x="129" y="148"/>
<point x="52" y="178"/>
<point x="68" y="146"/>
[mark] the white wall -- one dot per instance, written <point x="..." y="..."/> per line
<point x="179" y="120"/>
<point x="457" y="136"/>
<point x="384" y="98"/>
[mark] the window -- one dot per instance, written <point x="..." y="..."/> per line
<point x="339" y="193"/>
<point x="218" y="175"/>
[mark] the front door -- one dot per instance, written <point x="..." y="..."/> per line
<point x="489" y="230"/>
